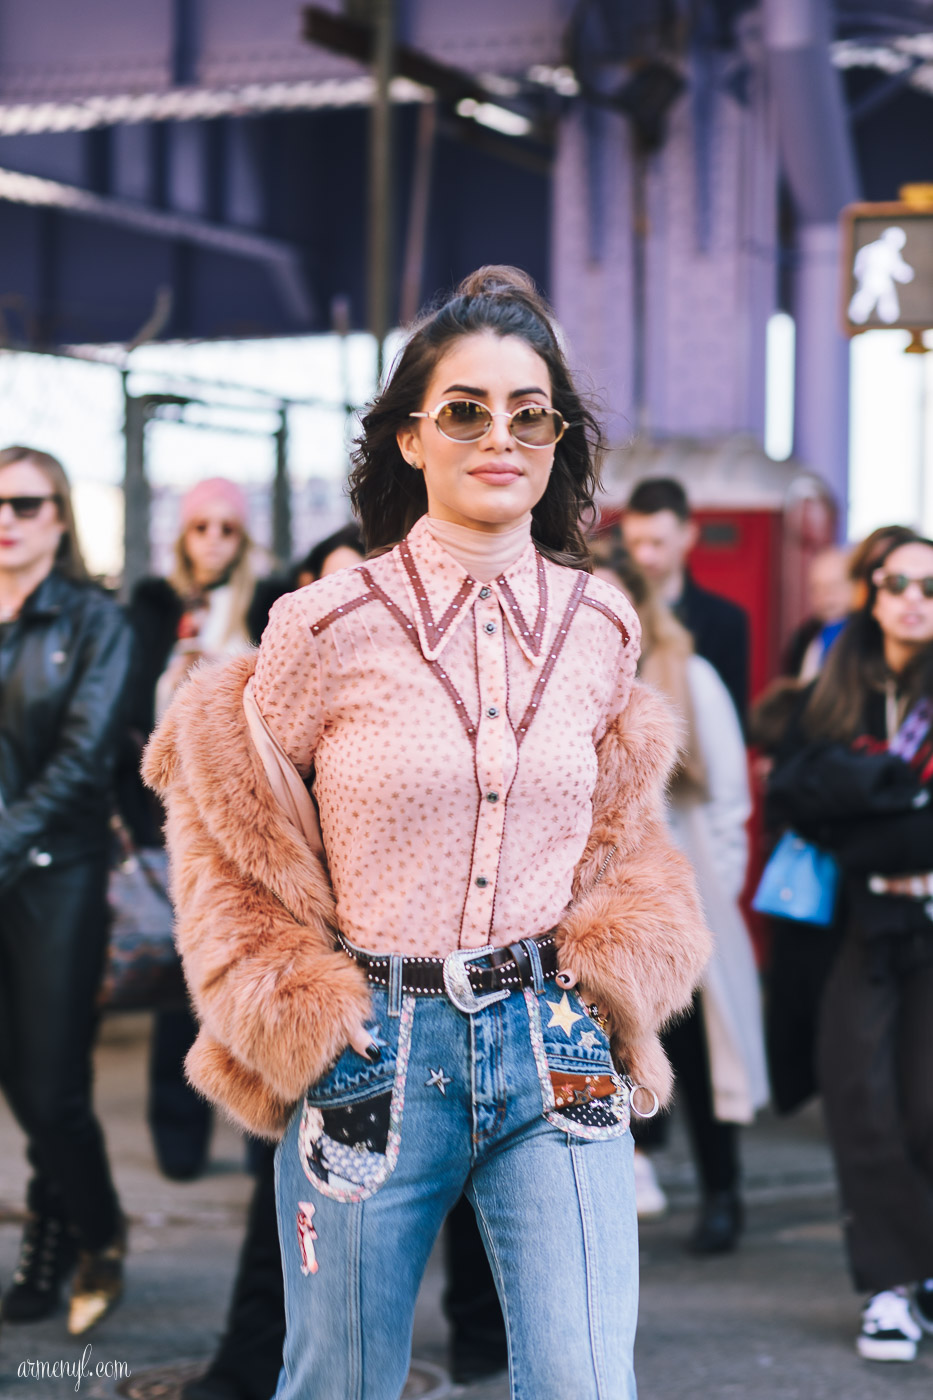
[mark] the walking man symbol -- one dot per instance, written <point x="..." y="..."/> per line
<point x="877" y="267"/>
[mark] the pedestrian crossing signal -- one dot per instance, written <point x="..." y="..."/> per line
<point x="887" y="267"/>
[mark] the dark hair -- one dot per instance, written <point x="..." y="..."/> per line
<point x="388" y="496"/>
<point x="769" y="718"/>
<point x="875" y="547"/>
<point x="68" y="557"/>
<point x="349" y="537"/>
<point x="856" y="665"/>
<point x="657" y="493"/>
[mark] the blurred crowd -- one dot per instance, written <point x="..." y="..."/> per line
<point x="837" y="754"/>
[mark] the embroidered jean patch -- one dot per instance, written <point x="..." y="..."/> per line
<point x="349" y="1135"/>
<point x="585" y="1099"/>
<point x="306" y="1237"/>
<point x="581" y="1091"/>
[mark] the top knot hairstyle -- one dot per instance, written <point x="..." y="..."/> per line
<point x="389" y="497"/>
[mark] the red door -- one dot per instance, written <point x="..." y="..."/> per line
<point x="739" y="555"/>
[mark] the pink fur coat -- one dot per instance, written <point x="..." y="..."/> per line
<point x="255" y="911"/>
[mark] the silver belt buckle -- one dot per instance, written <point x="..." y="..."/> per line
<point x="457" y="982"/>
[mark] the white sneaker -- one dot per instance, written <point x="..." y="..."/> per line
<point x="889" y="1330"/>
<point x="650" y="1200"/>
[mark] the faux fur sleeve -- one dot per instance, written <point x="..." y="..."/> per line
<point x="273" y="990"/>
<point x="636" y="940"/>
<point x="254" y="910"/>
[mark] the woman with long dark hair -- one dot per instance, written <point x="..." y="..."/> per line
<point x="64" y="658"/>
<point x="489" y="785"/>
<point x="859" y="783"/>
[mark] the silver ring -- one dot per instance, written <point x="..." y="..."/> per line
<point x="637" y="1111"/>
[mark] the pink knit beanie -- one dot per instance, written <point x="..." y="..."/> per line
<point x="214" y="489"/>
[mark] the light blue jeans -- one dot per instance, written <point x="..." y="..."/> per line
<point x="517" y="1104"/>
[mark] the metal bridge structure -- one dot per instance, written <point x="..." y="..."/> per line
<point x="670" y="172"/>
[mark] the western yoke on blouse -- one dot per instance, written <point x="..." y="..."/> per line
<point x="450" y="730"/>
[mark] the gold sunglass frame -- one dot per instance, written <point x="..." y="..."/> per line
<point x="535" y="446"/>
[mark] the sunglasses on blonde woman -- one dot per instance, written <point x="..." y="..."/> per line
<point x="226" y="528"/>
<point x="898" y="584"/>
<point x="26" y="507"/>
<point x="465" y="420"/>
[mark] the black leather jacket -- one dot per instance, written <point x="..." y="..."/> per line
<point x="64" y="664"/>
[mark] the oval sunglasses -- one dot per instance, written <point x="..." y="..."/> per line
<point x="898" y="584"/>
<point x="465" y="420"/>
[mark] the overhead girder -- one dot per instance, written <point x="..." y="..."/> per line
<point x="222" y="159"/>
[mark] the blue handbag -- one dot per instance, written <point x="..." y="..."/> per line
<point x="799" y="882"/>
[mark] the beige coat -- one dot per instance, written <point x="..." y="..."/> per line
<point x="712" y="834"/>
<point x="275" y="997"/>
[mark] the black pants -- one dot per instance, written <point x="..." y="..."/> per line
<point x="250" y="1352"/>
<point x="876" y="1073"/>
<point x="470" y="1300"/>
<point x="53" y="937"/>
<point x="802" y="958"/>
<point x="715" y="1144"/>
<point x="179" y="1118"/>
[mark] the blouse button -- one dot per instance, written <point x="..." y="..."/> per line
<point x="492" y="797"/>
<point x="493" y="712"/>
<point x="485" y="592"/>
<point x="489" y="627"/>
<point x="481" y="881"/>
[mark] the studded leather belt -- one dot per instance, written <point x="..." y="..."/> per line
<point x="471" y="977"/>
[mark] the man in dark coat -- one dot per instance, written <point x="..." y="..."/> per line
<point x="659" y="534"/>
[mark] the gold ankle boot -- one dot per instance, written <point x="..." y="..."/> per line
<point x="98" y="1284"/>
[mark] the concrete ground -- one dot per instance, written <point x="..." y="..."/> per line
<point x="775" y="1321"/>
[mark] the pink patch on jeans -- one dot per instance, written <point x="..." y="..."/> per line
<point x="306" y="1237"/>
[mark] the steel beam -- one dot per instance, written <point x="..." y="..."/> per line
<point x="819" y="164"/>
<point x="282" y="494"/>
<point x="136" y="492"/>
<point x="381" y="150"/>
<point x="283" y="261"/>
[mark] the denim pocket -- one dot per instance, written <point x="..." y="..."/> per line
<point x="581" y="1089"/>
<point x="350" y="1129"/>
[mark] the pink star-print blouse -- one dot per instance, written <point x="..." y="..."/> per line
<point x="450" y="728"/>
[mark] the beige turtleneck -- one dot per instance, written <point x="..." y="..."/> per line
<point x="484" y="554"/>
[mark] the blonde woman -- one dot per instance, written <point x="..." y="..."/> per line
<point x="198" y="613"/>
<point x="64" y="659"/>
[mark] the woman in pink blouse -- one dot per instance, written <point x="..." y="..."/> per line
<point x="448" y="971"/>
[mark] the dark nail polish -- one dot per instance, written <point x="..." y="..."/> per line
<point x="373" y="1051"/>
